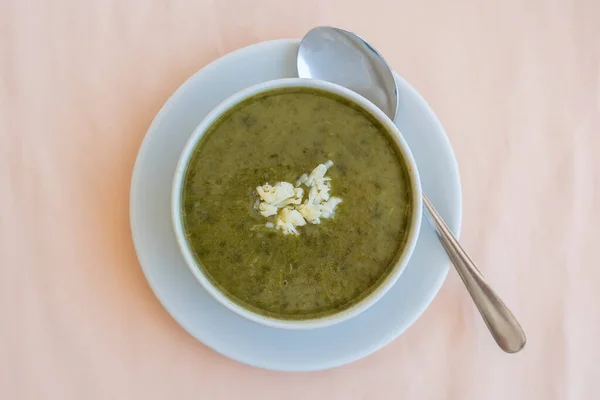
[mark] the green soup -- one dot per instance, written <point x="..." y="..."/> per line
<point x="276" y="136"/>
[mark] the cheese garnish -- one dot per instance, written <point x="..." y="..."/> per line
<point x="286" y="201"/>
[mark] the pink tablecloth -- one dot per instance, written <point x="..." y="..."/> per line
<point x="516" y="84"/>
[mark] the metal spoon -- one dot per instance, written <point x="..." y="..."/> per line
<point x="341" y="57"/>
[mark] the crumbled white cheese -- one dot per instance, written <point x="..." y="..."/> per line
<point x="303" y="178"/>
<point x="285" y="201"/>
<point x="276" y="194"/>
<point x="291" y="216"/>
<point x="328" y="208"/>
<point x="267" y="209"/>
<point x="318" y="173"/>
<point x="288" y="219"/>
<point x="310" y="212"/>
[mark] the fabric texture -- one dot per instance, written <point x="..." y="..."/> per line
<point x="516" y="85"/>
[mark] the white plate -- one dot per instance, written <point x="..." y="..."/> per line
<point x="221" y="329"/>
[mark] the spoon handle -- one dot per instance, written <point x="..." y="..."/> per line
<point x="502" y="324"/>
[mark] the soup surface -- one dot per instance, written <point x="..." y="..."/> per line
<point x="275" y="137"/>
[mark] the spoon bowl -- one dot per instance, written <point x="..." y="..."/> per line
<point x="338" y="56"/>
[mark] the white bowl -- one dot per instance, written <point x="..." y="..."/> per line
<point x="192" y="262"/>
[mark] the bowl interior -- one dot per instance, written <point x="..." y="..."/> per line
<point x="192" y="261"/>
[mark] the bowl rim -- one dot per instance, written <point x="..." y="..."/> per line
<point x="194" y="265"/>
